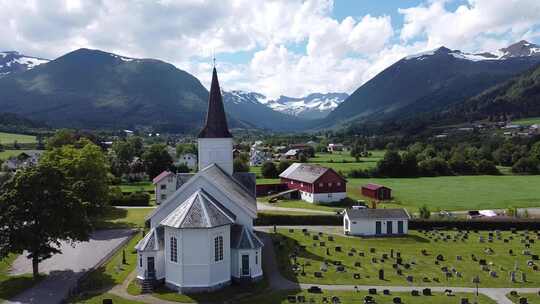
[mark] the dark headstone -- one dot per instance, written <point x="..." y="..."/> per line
<point x="381" y="274"/>
<point x="464" y="301"/>
<point x="107" y="301"/>
<point x="338" y="249"/>
<point x="386" y="292"/>
<point x="415" y="293"/>
<point x="314" y="289"/>
<point x="426" y="291"/>
<point x="356" y="276"/>
<point x="291" y="299"/>
<point x="372" y="291"/>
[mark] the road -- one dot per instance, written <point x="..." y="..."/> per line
<point x="66" y="268"/>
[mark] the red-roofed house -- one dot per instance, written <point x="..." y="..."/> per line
<point x="165" y="185"/>
<point x="315" y="183"/>
<point x="377" y="192"/>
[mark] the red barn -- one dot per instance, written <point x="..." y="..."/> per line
<point x="315" y="183"/>
<point x="377" y="192"/>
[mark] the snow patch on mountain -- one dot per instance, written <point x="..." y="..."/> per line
<point x="519" y="49"/>
<point x="312" y="106"/>
<point x="12" y="61"/>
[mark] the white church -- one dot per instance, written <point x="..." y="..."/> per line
<point x="201" y="235"/>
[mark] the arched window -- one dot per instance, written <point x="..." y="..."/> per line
<point x="174" y="249"/>
<point x="218" y="248"/>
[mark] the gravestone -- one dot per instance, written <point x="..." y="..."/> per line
<point x="386" y="292"/>
<point x="322" y="244"/>
<point x="410" y="279"/>
<point x="372" y="250"/>
<point x="415" y="293"/>
<point x="330" y="238"/>
<point x="356" y="276"/>
<point x="317" y="274"/>
<point x="426" y="291"/>
<point x="315" y="238"/>
<point x="459" y="258"/>
<point x="381" y="274"/>
<point x="464" y="301"/>
<point x="372" y="291"/>
<point x="338" y="249"/>
<point x="440" y="257"/>
<point x="357" y="264"/>
<point x="513" y="276"/>
<point x="399" y="261"/>
<point x="396" y="300"/>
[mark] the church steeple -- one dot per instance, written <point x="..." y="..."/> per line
<point x="216" y="122"/>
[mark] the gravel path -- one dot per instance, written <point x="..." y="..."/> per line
<point x="66" y="268"/>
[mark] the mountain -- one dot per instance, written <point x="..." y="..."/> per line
<point x="12" y="62"/>
<point x="431" y="81"/>
<point x="250" y="107"/>
<point x="95" y="89"/>
<point x="517" y="97"/>
<point x="312" y="106"/>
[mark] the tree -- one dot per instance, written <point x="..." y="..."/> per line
<point x="269" y="170"/>
<point x="185" y="148"/>
<point x="239" y="165"/>
<point x="86" y="169"/>
<point x="357" y="150"/>
<point x="390" y="165"/>
<point x="409" y="164"/>
<point x="283" y="165"/>
<point x="302" y="157"/>
<point x="137" y="145"/>
<point x="61" y="138"/>
<point x="526" y="165"/>
<point x="424" y="212"/>
<point x="535" y="151"/>
<point x="156" y="160"/>
<point x="38" y="210"/>
<point x="181" y="168"/>
<point x="487" y="167"/>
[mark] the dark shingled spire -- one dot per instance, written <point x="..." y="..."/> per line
<point x="216" y="122"/>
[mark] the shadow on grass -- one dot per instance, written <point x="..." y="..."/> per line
<point x="97" y="280"/>
<point x="111" y="217"/>
<point x="12" y="286"/>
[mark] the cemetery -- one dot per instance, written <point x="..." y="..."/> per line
<point x="422" y="258"/>
<point x="380" y="297"/>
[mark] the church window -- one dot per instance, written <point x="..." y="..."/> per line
<point x="256" y="258"/>
<point x="140" y="260"/>
<point x="174" y="249"/>
<point x="164" y="186"/>
<point x="218" y="248"/>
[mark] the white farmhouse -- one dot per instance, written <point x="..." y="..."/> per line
<point x="189" y="159"/>
<point x="375" y="222"/>
<point x="201" y="236"/>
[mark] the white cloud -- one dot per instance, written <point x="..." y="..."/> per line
<point x="472" y="26"/>
<point x="293" y="47"/>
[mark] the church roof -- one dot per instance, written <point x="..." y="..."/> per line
<point x="216" y="121"/>
<point x="200" y="210"/>
<point x="244" y="238"/>
<point x="149" y="242"/>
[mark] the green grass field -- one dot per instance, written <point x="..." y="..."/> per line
<point x="527" y="121"/>
<point x="124" y="218"/>
<point x="98" y="299"/>
<point x="532" y="298"/>
<point x="137" y="187"/>
<point x="445" y="193"/>
<point x="458" y="192"/>
<point x="348" y="297"/>
<point x="343" y="162"/>
<point x="9" y="138"/>
<point x="10" y="286"/>
<point x="420" y="266"/>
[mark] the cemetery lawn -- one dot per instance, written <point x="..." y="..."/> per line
<point x="10" y="286"/>
<point x="532" y="298"/>
<point x="9" y="138"/>
<point x="347" y="297"/>
<point x="98" y="299"/>
<point x="458" y="192"/>
<point x="420" y="266"/>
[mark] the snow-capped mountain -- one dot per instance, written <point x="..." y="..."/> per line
<point x="519" y="49"/>
<point x="12" y="61"/>
<point x="312" y="106"/>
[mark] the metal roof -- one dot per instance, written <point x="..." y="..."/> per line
<point x="374" y="186"/>
<point x="200" y="210"/>
<point x="161" y="176"/>
<point x="216" y="120"/>
<point x="244" y="238"/>
<point x="149" y="242"/>
<point x="305" y="172"/>
<point x="370" y="213"/>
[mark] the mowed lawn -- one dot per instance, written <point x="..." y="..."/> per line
<point x="458" y="192"/>
<point x="367" y="256"/>
<point x="532" y="298"/>
<point x="343" y="162"/>
<point x="9" y="138"/>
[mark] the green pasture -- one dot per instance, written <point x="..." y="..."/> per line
<point x="527" y="121"/>
<point x="9" y="138"/>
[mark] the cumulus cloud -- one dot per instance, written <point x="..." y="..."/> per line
<point x="290" y="47"/>
<point x="474" y="25"/>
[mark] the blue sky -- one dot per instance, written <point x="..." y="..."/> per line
<point x="279" y="47"/>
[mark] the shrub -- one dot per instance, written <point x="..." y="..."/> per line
<point x="269" y="170"/>
<point x="240" y="165"/>
<point x="424" y="211"/>
<point x="132" y="199"/>
<point x="283" y="165"/>
<point x="487" y="167"/>
<point x="525" y="165"/>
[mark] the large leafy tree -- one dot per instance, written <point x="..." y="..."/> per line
<point x="156" y="160"/>
<point x="38" y="210"/>
<point x="86" y="169"/>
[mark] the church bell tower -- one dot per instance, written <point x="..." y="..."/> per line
<point x="215" y="142"/>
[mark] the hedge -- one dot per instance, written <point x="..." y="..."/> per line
<point x="265" y="219"/>
<point x="132" y="199"/>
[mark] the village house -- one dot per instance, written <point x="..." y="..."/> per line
<point x="23" y="160"/>
<point x="335" y="148"/>
<point x="189" y="159"/>
<point x="375" y="222"/>
<point x="201" y="235"/>
<point x="316" y="184"/>
<point x="377" y="192"/>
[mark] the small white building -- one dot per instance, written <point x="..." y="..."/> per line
<point x="375" y="222"/>
<point x="189" y="159"/>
